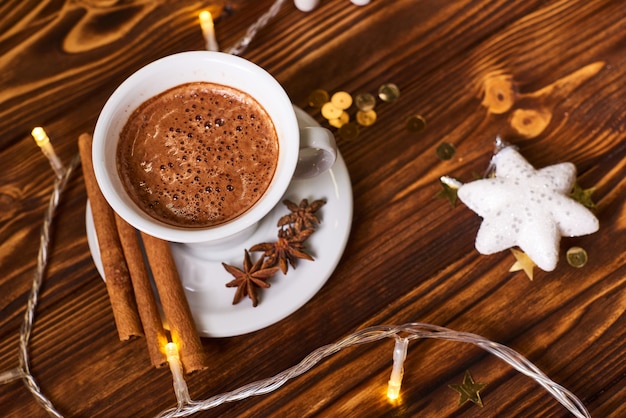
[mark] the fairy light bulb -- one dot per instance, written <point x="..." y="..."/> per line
<point x="208" y="30"/>
<point x="176" y="367"/>
<point x="397" y="372"/>
<point x="43" y="142"/>
<point x="41" y="137"/>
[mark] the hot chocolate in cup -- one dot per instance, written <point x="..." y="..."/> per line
<point x="198" y="147"/>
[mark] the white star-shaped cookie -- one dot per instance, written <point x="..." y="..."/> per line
<point x="528" y="208"/>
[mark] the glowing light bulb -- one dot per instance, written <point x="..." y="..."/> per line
<point x="397" y="372"/>
<point x="43" y="142"/>
<point x="171" y="350"/>
<point x="41" y="137"/>
<point x="208" y="30"/>
<point x="176" y="367"/>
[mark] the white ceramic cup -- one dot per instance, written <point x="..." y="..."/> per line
<point x="311" y="150"/>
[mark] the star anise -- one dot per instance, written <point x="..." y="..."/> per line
<point x="302" y="216"/>
<point x="250" y="278"/>
<point x="286" y="250"/>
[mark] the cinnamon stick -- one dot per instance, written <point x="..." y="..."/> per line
<point x="118" y="282"/>
<point x="174" y="303"/>
<point x="156" y="337"/>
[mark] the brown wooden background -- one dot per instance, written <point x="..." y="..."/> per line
<point x="409" y="258"/>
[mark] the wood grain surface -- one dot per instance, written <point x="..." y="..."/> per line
<point x="410" y="256"/>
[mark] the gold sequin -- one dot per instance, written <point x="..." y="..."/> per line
<point x="349" y="131"/>
<point x="340" y="121"/>
<point x="445" y="151"/>
<point x="329" y="111"/>
<point x="416" y="123"/>
<point x="317" y="98"/>
<point x="341" y="100"/>
<point x="576" y="257"/>
<point x="388" y="92"/>
<point x="366" y="118"/>
<point x="365" y="101"/>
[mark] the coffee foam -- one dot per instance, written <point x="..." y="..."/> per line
<point x="198" y="155"/>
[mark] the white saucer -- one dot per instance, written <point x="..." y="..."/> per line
<point x="204" y="278"/>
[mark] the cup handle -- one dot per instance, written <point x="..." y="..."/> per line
<point x="318" y="152"/>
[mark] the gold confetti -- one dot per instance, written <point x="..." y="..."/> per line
<point x="317" y="98"/>
<point x="416" y="123"/>
<point x="448" y="191"/>
<point x="523" y="263"/>
<point x="388" y="92"/>
<point x="365" y="101"/>
<point x="445" y="151"/>
<point x="469" y="390"/>
<point x="329" y="111"/>
<point x="576" y="257"/>
<point x="349" y="131"/>
<point x="583" y="196"/>
<point x="340" y="121"/>
<point x="341" y="100"/>
<point x="366" y="118"/>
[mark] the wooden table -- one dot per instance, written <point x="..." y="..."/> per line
<point x="410" y="256"/>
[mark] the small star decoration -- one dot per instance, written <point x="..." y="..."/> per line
<point x="528" y="208"/>
<point x="447" y="191"/>
<point x="469" y="390"/>
<point x="523" y="262"/>
<point x="583" y="196"/>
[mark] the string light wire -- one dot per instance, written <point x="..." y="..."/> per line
<point x="186" y="406"/>
<point x="62" y="176"/>
<point x="377" y="333"/>
<point x="29" y="315"/>
<point x="243" y="43"/>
